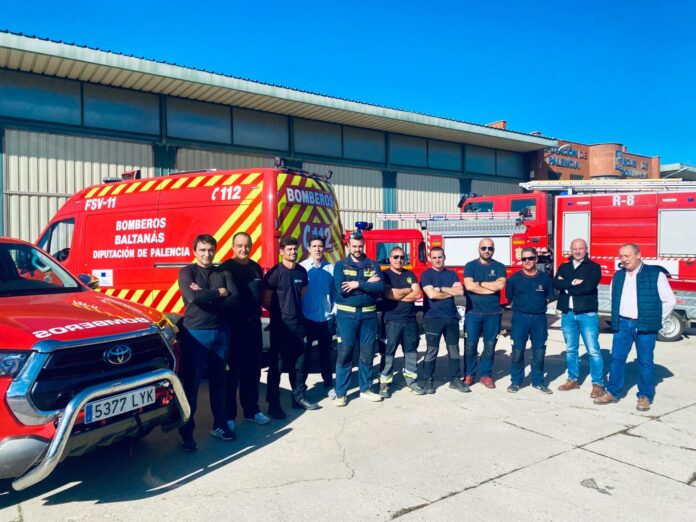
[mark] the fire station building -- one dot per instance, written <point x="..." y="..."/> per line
<point x="71" y="116"/>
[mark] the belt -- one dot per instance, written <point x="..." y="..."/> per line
<point x="627" y="318"/>
<point x="347" y="308"/>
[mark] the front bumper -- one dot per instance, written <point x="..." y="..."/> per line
<point x="23" y="453"/>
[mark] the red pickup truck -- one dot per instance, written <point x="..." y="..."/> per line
<point x="78" y="369"/>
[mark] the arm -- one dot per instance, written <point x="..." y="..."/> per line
<point x="550" y="294"/>
<point x="266" y="298"/>
<point x="509" y="291"/>
<point x="587" y="285"/>
<point x="559" y="282"/>
<point x="475" y="288"/>
<point x="232" y="298"/>
<point x="435" y="294"/>
<point x="375" y="284"/>
<point x="339" y="279"/>
<point x="494" y="286"/>
<point x="666" y="296"/>
<point x="197" y="295"/>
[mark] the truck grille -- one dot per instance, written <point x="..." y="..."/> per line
<point x="69" y="371"/>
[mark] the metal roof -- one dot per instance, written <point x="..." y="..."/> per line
<point x="64" y="60"/>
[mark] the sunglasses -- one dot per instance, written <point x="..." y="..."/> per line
<point x="532" y="258"/>
<point x="398" y="257"/>
<point x="490" y="249"/>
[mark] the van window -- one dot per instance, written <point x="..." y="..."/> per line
<point x="527" y="206"/>
<point x="479" y="206"/>
<point x="383" y="249"/>
<point x="58" y="238"/>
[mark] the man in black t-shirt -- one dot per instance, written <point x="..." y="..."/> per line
<point x="399" y="313"/>
<point x="484" y="278"/>
<point x="529" y="291"/>
<point x="441" y="318"/>
<point x="285" y="285"/>
<point x="244" y="360"/>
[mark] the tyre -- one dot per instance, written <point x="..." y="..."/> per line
<point x="672" y="328"/>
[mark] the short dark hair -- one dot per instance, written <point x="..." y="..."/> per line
<point x="529" y="249"/>
<point x="317" y="238"/>
<point x="436" y="249"/>
<point x="204" y="238"/>
<point x="287" y="241"/>
<point x="242" y="233"/>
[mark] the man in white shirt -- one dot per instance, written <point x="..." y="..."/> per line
<point x="641" y="299"/>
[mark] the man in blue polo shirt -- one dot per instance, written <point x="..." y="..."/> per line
<point x="529" y="291"/>
<point x="440" y="286"/>
<point x="484" y="278"/>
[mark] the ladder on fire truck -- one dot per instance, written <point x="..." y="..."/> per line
<point x="464" y="224"/>
<point x="610" y="185"/>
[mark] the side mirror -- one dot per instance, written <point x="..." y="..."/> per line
<point x="89" y="281"/>
<point x="422" y="254"/>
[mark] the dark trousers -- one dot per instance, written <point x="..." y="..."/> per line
<point x="244" y="362"/>
<point x="404" y="334"/>
<point x="477" y="325"/>
<point x="524" y="327"/>
<point x="321" y="333"/>
<point x="355" y="330"/>
<point x="435" y="328"/>
<point x="203" y="349"/>
<point x="288" y="354"/>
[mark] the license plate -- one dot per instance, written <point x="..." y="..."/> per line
<point x="125" y="402"/>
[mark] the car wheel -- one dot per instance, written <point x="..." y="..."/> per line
<point x="672" y="328"/>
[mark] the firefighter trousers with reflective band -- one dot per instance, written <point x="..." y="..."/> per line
<point x="355" y="329"/>
<point x="405" y="334"/>
<point x="524" y="327"/>
<point x="244" y="364"/>
<point x="203" y="349"/>
<point x="435" y="328"/>
<point x="477" y="325"/>
<point x="288" y="354"/>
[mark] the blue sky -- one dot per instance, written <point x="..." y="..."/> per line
<point x="587" y="71"/>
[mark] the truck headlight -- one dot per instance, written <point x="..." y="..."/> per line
<point x="11" y="362"/>
<point x="168" y="330"/>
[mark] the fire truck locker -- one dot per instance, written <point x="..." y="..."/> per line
<point x="41" y="171"/>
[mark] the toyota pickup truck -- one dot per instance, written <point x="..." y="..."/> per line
<point x="78" y="369"/>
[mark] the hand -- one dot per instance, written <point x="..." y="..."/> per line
<point x="373" y="279"/>
<point x="224" y="292"/>
<point x="194" y="287"/>
<point x="576" y="282"/>
<point x="560" y="277"/>
<point x="348" y="286"/>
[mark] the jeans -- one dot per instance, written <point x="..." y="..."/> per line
<point x="404" y="334"/>
<point x="201" y="349"/>
<point x="321" y="332"/>
<point x="245" y="367"/>
<point x="436" y="328"/>
<point x="573" y="326"/>
<point x="528" y="326"/>
<point x="355" y="329"/>
<point x="621" y="346"/>
<point x="477" y="325"/>
<point x="288" y="354"/>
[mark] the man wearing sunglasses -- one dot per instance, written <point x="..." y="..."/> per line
<point x="400" y="294"/>
<point x="529" y="291"/>
<point x="441" y="318"/>
<point x="577" y="281"/>
<point x="484" y="279"/>
<point x="358" y="282"/>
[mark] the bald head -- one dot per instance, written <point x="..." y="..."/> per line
<point x="578" y="249"/>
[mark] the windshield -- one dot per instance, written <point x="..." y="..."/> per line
<point x="25" y="270"/>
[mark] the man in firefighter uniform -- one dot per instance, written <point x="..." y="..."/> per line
<point x="400" y="294"/>
<point x="358" y="282"/>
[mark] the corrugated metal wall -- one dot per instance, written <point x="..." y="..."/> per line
<point x="42" y="170"/>
<point x="196" y="159"/>
<point x="359" y="191"/>
<point x="425" y="193"/>
<point x="491" y="188"/>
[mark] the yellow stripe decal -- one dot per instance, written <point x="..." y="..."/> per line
<point x="110" y="291"/>
<point x="196" y="181"/>
<point x="123" y="293"/>
<point x="119" y="189"/>
<point x="91" y="193"/>
<point x="213" y="180"/>
<point x="179" y="306"/>
<point x="231" y="180"/>
<point x="151" y="298"/>
<point x="137" y="295"/>
<point x="281" y="179"/>
<point x="224" y="249"/>
<point x="179" y="183"/>
<point x="105" y="191"/>
<point x="133" y="187"/>
<point x="251" y="178"/>
<point x="163" y="184"/>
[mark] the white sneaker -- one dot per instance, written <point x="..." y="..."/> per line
<point x="370" y="396"/>
<point x="340" y="401"/>
<point x="259" y="418"/>
<point x="331" y="394"/>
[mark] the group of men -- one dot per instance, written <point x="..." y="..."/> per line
<point x="306" y="301"/>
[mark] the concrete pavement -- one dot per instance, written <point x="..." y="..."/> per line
<point x="486" y="455"/>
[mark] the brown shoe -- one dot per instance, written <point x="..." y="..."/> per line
<point x="605" y="398"/>
<point x="487" y="382"/>
<point x="643" y="404"/>
<point x="597" y="391"/>
<point x="569" y="385"/>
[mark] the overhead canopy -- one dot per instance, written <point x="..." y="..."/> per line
<point x="35" y="55"/>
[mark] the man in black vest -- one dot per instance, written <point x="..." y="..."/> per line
<point x="641" y="300"/>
